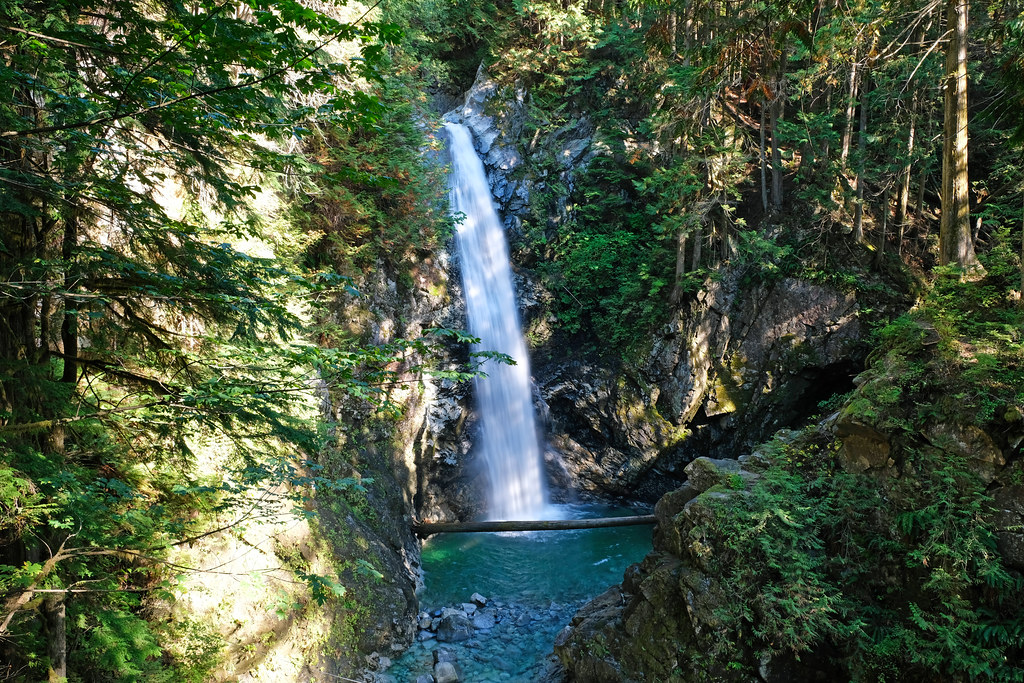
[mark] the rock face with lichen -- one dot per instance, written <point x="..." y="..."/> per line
<point x="660" y="621"/>
<point x="723" y="375"/>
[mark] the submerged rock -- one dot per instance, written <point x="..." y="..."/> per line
<point x="484" y="620"/>
<point x="454" y="627"/>
<point x="445" y="672"/>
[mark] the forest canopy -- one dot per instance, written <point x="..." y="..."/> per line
<point x="156" y="295"/>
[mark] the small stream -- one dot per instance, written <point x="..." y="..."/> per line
<point x="533" y="583"/>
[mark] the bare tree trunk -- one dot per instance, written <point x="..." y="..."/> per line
<point x="677" y="292"/>
<point x="69" y="325"/>
<point x="851" y="109"/>
<point x="55" y="613"/>
<point x="880" y="254"/>
<point x="916" y="105"/>
<point x="777" y="112"/>
<point x="722" y="227"/>
<point x="424" y="529"/>
<point x="698" y="239"/>
<point x="922" y="180"/>
<point x="904" y="195"/>
<point x="673" y="28"/>
<point x="764" y="162"/>
<point x="862" y="153"/>
<point x="955" y="244"/>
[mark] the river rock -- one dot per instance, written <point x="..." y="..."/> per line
<point x="864" y="447"/>
<point x="469" y="608"/>
<point x="445" y="672"/>
<point x="443" y="655"/>
<point x="425" y="678"/>
<point x="454" y="627"/>
<point x="484" y="620"/>
<point x="478" y="599"/>
<point x="703" y="473"/>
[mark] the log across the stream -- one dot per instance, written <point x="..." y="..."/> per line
<point x="424" y="529"/>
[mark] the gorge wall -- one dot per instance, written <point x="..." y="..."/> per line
<point x="729" y="368"/>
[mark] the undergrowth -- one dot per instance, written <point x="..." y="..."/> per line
<point x="893" y="575"/>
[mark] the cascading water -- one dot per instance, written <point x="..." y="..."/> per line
<point x="509" y="442"/>
<point x="530" y="595"/>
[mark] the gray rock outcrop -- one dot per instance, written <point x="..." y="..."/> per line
<point x="722" y="376"/>
<point x="728" y="369"/>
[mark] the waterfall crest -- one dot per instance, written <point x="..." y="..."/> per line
<point x="509" y="442"/>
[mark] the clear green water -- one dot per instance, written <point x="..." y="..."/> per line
<point x="535" y="582"/>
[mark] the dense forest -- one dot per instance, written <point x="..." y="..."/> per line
<point x="197" y="198"/>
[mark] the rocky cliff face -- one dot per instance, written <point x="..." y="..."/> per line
<point x="728" y="369"/>
<point x="679" y="616"/>
<point x="411" y="462"/>
<point x="664" y="619"/>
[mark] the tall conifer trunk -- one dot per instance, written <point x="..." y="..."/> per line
<point x="955" y="244"/>
<point x="862" y="153"/>
<point x="777" y="111"/>
<point x="851" y="109"/>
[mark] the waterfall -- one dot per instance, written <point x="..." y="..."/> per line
<point x="509" y="443"/>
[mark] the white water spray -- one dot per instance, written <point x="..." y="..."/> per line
<point x="510" y="446"/>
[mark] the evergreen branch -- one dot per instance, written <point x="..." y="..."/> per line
<point x="61" y="41"/>
<point x="16" y="603"/>
<point x="146" y="67"/>
<point x="252" y="82"/>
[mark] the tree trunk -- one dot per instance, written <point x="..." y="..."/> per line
<point x="955" y="244"/>
<point x="764" y="162"/>
<point x="677" y="292"/>
<point x="69" y="325"/>
<point x="424" y="529"/>
<point x="698" y="239"/>
<point x="851" y="109"/>
<point x="55" y="613"/>
<point x="903" y="201"/>
<point x="880" y="254"/>
<point x="862" y="153"/>
<point x="922" y="180"/>
<point x="777" y="111"/>
<point x="904" y="196"/>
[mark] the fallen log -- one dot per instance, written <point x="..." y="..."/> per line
<point x="424" y="529"/>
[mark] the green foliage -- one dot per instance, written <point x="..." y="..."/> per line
<point x="772" y="562"/>
<point x="374" y="199"/>
<point x="610" y="272"/>
<point x="961" y="353"/>
<point x="154" y="303"/>
<point x="118" y="644"/>
<point x="195" y="649"/>
<point x="446" y="41"/>
<point x="900" y="576"/>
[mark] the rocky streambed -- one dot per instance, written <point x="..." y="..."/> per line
<point x="485" y="641"/>
<point x="493" y="604"/>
